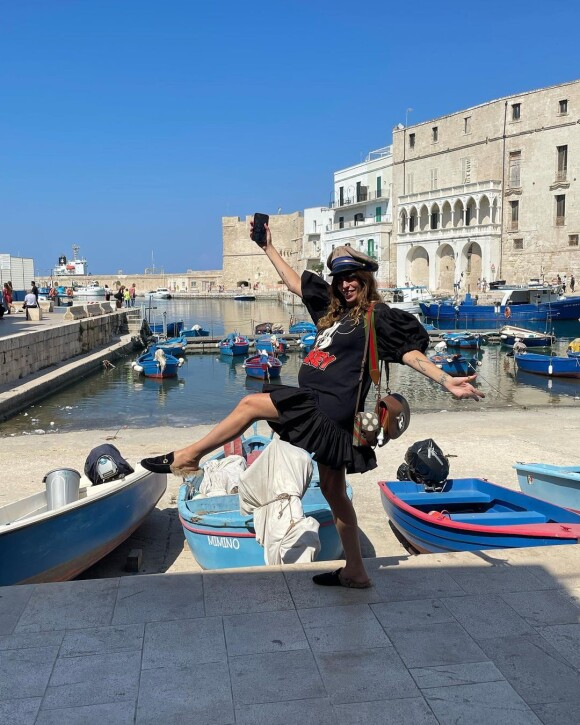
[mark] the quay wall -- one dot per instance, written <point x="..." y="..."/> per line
<point x="29" y="352"/>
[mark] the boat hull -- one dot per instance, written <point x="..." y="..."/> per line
<point x="551" y="366"/>
<point x="456" y="366"/>
<point x="174" y="329"/>
<point x="220" y="537"/>
<point x="444" y="522"/>
<point x="559" y="485"/>
<point x="69" y="540"/>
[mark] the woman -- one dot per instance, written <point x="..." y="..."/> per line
<point x="318" y="416"/>
<point x="7" y="296"/>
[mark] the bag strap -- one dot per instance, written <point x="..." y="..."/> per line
<point x="375" y="366"/>
<point x="369" y="332"/>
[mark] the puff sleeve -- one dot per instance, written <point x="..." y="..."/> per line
<point x="398" y="332"/>
<point x="315" y="294"/>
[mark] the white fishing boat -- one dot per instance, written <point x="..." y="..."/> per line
<point x="161" y="293"/>
<point x="93" y="289"/>
<point x="406" y="298"/>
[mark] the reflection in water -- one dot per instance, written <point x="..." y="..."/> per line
<point x="210" y="385"/>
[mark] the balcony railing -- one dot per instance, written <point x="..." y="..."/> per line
<point x="352" y="224"/>
<point x="363" y="197"/>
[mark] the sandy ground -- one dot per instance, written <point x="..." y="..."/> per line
<point x="480" y="443"/>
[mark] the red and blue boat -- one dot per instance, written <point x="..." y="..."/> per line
<point x="471" y="514"/>
<point x="262" y="366"/>
<point x="220" y="537"/>
<point x="234" y="344"/>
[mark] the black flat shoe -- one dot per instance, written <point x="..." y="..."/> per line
<point x="158" y="464"/>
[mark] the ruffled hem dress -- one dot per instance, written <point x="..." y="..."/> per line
<point x="318" y="415"/>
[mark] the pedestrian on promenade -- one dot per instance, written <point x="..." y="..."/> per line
<point x="7" y="295"/>
<point x="318" y="415"/>
<point x="484" y="285"/>
<point x="34" y="290"/>
<point x="572" y="283"/>
<point x="132" y="294"/>
<point x="127" y="297"/>
<point x="107" y="293"/>
<point x="564" y="284"/>
<point x="30" y="302"/>
<point x="119" y="297"/>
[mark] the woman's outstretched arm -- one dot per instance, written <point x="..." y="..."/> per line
<point x="290" y="278"/>
<point x="458" y="387"/>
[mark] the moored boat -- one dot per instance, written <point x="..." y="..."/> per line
<point x="551" y="365"/>
<point x="171" y="329"/>
<point x="455" y="365"/>
<point x="469" y="340"/>
<point x="559" y="485"/>
<point x="161" y="293"/>
<point x="172" y="346"/>
<point x="471" y="514"/>
<point x="38" y="544"/>
<point x="271" y="343"/>
<point x="302" y="327"/>
<point x="406" y="298"/>
<point x="155" y="363"/>
<point x="510" y="333"/>
<point x="93" y="289"/>
<point x="195" y="331"/>
<point x="573" y="349"/>
<point x="234" y="344"/>
<point x="262" y="366"/>
<point x="220" y="537"/>
<point x="307" y="341"/>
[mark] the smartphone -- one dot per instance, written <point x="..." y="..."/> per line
<point x="259" y="233"/>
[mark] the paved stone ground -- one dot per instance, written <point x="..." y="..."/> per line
<point x="456" y="638"/>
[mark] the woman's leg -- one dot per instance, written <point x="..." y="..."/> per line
<point x="333" y="487"/>
<point x="257" y="406"/>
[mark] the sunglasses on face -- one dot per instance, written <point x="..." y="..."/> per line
<point x="346" y="277"/>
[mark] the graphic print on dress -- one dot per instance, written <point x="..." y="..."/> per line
<point x="317" y="357"/>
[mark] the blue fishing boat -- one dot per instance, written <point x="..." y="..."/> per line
<point x="271" y="343"/>
<point x="42" y="544"/>
<point x="468" y="340"/>
<point x="174" y="328"/>
<point x="551" y="365"/>
<point x="307" y="341"/>
<point x="262" y="366"/>
<point x="220" y="537"/>
<point x="155" y="365"/>
<point x="471" y="514"/>
<point x="455" y="365"/>
<point x="300" y="328"/>
<point x="195" y="331"/>
<point x="510" y="333"/>
<point x="234" y="344"/>
<point x="559" y="485"/>
<point x="173" y="346"/>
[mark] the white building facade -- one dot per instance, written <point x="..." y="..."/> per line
<point x="490" y="192"/>
<point x="360" y="211"/>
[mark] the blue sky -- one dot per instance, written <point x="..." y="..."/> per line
<point x="130" y="127"/>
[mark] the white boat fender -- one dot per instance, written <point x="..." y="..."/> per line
<point x="180" y="361"/>
<point x="138" y="368"/>
<point x="550" y="369"/>
<point x="479" y="363"/>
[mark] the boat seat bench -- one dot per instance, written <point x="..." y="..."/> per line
<point x="499" y="517"/>
<point x="445" y="499"/>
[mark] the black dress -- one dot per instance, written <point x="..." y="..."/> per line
<point x="318" y="416"/>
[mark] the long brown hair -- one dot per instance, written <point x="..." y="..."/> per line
<point x="368" y="293"/>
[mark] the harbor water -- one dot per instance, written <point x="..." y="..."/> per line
<point x="208" y="385"/>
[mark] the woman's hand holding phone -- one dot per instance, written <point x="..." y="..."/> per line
<point x="260" y="231"/>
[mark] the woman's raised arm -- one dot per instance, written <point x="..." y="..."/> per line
<point x="458" y="387"/>
<point x="290" y="277"/>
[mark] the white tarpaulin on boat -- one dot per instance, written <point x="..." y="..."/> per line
<point x="221" y="477"/>
<point x="271" y="489"/>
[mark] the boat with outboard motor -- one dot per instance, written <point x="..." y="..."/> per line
<point x="48" y="538"/>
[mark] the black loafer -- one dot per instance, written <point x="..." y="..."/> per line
<point x="158" y="464"/>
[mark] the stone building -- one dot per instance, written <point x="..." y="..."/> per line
<point x="361" y="206"/>
<point x="490" y="192"/>
<point x="246" y="265"/>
